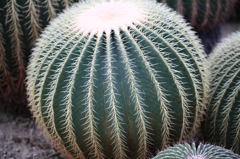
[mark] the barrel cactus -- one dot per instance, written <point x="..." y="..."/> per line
<point x="201" y="151"/>
<point x="223" y="120"/>
<point x="203" y="14"/>
<point x="117" y="79"/>
<point x="21" y="22"/>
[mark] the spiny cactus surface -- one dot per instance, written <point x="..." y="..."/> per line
<point x="117" y="79"/>
<point x="201" y="151"/>
<point x="21" y="22"/>
<point x="223" y="119"/>
<point x="203" y="14"/>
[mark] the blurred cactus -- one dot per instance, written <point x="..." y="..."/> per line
<point x="205" y="17"/>
<point x="21" y="22"/>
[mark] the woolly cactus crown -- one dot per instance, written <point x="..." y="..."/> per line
<point x="117" y="79"/>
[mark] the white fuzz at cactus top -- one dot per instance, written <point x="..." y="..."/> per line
<point x="197" y="157"/>
<point x="108" y="16"/>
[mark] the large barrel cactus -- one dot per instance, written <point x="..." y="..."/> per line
<point x="223" y="119"/>
<point x="21" y="22"/>
<point x="117" y="79"/>
<point x="203" y="14"/>
<point x="193" y="151"/>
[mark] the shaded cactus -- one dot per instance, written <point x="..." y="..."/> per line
<point x="21" y="22"/>
<point x="205" y="17"/>
<point x="203" y="14"/>
<point x="117" y="79"/>
<point x="223" y="120"/>
<point x="201" y="151"/>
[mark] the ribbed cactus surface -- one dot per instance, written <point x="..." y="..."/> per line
<point x="203" y="14"/>
<point x="223" y="119"/>
<point x="193" y="151"/>
<point x="21" y="22"/>
<point x="117" y="79"/>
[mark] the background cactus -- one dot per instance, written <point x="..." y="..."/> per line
<point x="191" y="151"/>
<point x="117" y="79"/>
<point x="205" y="16"/>
<point x="223" y="120"/>
<point x="21" y="21"/>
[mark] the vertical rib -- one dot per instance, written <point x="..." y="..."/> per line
<point x="220" y="95"/>
<point x="67" y="100"/>
<point x="114" y="115"/>
<point x="226" y="114"/>
<point x="164" y="103"/>
<point x="16" y="43"/>
<point x="33" y="25"/>
<point x="91" y="124"/>
<point x="194" y="12"/>
<point x="51" y="10"/>
<point x="236" y="141"/>
<point x="141" y="119"/>
<point x="177" y="79"/>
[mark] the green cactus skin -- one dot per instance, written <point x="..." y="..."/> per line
<point x="191" y="151"/>
<point x="117" y="79"/>
<point x="223" y="120"/>
<point x="21" y="22"/>
<point x="203" y="14"/>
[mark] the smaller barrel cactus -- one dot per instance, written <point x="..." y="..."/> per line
<point x="193" y="151"/>
<point x="223" y="119"/>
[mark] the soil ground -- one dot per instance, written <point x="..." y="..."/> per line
<point x="20" y="138"/>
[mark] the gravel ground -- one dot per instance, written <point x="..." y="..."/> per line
<point x="20" y="138"/>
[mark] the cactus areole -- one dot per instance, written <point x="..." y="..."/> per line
<point x="117" y="79"/>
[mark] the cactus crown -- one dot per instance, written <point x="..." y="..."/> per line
<point x="117" y="89"/>
<point x="191" y="151"/>
<point x="114" y="16"/>
<point x="223" y="120"/>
